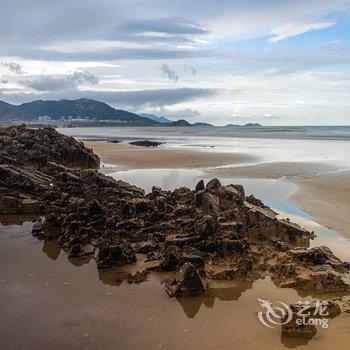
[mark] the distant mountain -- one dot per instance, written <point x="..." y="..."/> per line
<point x="180" y="122"/>
<point x="202" y="124"/>
<point x="153" y="117"/>
<point x="254" y="125"/>
<point x="82" y="108"/>
<point x="6" y="108"/>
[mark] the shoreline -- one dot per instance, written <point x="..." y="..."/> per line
<point x="326" y="199"/>
<point x="136" y="157"/>
<point x="315" y="182"/>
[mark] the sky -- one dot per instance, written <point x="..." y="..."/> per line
<point x="223" y="61"/>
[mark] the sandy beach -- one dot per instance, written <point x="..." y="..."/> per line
<point x="325" y="197"/>
<point x="137" y="157"/>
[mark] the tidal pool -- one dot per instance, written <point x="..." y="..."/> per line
<point x="49" y="301"/>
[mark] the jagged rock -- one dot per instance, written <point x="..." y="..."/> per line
<point x="321" y="282"/>
<point x="172" y="258"/>
<point x="315" y="269"/>
<point x="37" y="228"/>
<point x="44" y="172"/>
<point x="95" y="208"/>
<point x="200" y="186"/>
<point x="318" y="256"/>
<point x="29" y="205"/>
<point x="210" y="203"/>
<point x="278" y="243"/>
<point x="188" y="283"/>
<point x="139" y="277"/>
<point x="115" y="255"/>
<point x="196" y="260"/>
<point x="9" y="205"/>
<point x="235" y="245"/>
<point x="40" y="146"/>
<point x="213" y="184"/>
<point x="229" y="197"/>
<point x="242" y="272"/>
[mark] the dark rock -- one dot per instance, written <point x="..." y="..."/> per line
<point x="200" y="186"/>
<point x="113" y="141"/>
<point x="213" y="184"/>
<point x="210" y="204"/>
<point x="9" y="205"/>
<point x="146" y="143"/>
<point x="188" y="283"/>
<point x="95" y="208"/>
<point x="115" y="255"/>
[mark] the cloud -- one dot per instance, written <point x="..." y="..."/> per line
<point x="266" y="118"/>
<point x="163" y="25"/>
<point x="123" y="99"/>
<point x="105" y="55"/>
<point x="13" y="67"/>
<point x="187" y="113"/>
<point x="190" y="69"/>
<point x="170" y="74"/>
<point x="52" y="83"/>
<point x="290" y="29"/>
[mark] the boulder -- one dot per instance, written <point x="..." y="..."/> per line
<point x="29" y="205"/>
<point x="146" y="143"/>
<point x="115" y="255"/>
<point x="210" y="203"/>
<point x="9" y="205"/>
<point x="213" y="184"/>
<point x="187" y="283"/>
<point x="200" y="186"/>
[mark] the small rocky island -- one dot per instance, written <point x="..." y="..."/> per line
<point x="209" y="233"/>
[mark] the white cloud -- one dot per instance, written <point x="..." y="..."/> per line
<point x="290" y="29"/>
<point x="54" y="83"/>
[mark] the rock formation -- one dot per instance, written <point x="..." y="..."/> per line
<point x="95" y="216"/>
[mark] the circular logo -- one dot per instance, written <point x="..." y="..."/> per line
<point x="274" y="315"/>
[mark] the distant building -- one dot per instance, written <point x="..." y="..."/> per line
<point x="44" y="119"/>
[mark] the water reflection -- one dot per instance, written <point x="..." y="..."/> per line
<point x="52" y="249"/>
<point x="87" y="298"/>
<point x="228" y="292"/>
<point x="20" y="219"/>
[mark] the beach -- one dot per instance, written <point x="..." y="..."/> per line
<point x="136" y="157"/>
<point x="125" y="246"/>
<point x="321" y="189"/>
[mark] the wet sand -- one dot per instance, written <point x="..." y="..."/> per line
<point x="137" y="157"/>
<point x="325" y="197"/>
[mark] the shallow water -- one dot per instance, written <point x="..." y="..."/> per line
<point x="327" y="145"/>
<point x="48" y="301"/>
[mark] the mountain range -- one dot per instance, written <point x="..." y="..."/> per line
<point x="156" y="118"/>
<point x="82" y="108"/>
<point x="91" y="111"/>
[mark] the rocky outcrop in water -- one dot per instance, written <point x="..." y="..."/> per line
<point x="146" y="143"/>
<point x="210" y="233"/>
